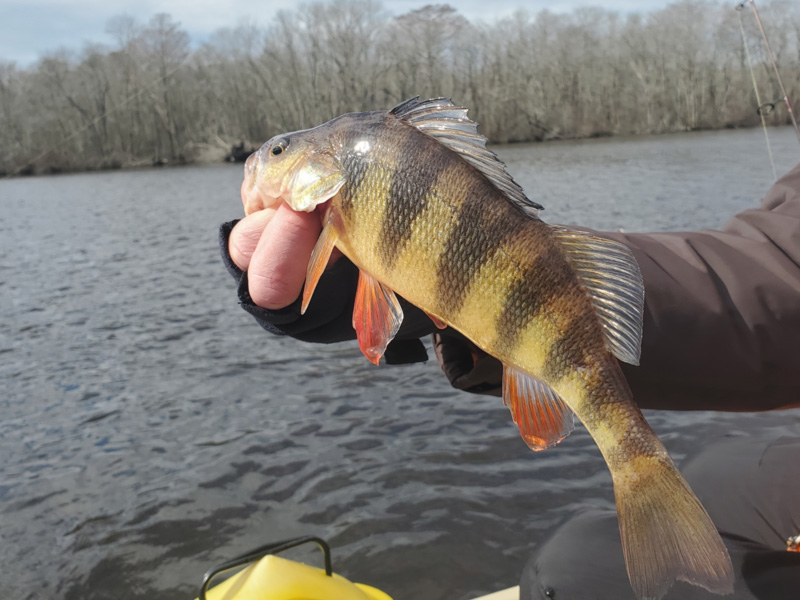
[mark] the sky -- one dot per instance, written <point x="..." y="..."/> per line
<point x="30" y="28"/>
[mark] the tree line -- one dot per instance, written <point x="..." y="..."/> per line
<point x="150" y="97"/>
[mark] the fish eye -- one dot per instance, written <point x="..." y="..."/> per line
<point x="279" y="146"/>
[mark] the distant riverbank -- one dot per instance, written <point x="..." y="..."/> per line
<point x="211" y="156"/>
<point x="199" y="156"/>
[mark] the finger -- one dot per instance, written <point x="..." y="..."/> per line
<point x="467" y="367"/>
<point x="453" y="355"/>
<point x="278" y="264"/>
<point x="245" y="236"/>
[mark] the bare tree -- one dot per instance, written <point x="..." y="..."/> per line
<point x="527" y="77"/>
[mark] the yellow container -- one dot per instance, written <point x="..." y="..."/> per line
<point x="276" y="578"/>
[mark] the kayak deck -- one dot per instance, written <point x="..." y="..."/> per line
<point x="509" y="594"/>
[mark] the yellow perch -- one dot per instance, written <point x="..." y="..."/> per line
<point x="424" y="210"/>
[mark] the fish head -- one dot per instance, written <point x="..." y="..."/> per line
<point x="299" y="168"/>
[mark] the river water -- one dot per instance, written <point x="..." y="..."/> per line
<point x="151" y="429"/>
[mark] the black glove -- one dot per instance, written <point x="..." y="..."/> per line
<point x="466" y="366"/>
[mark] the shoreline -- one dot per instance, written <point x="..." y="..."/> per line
<point x="30" y="170"/>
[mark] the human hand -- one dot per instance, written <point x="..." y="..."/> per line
<point x="274" y="246"/>
<point x="466" y="366"/>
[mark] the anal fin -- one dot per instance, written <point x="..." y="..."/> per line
<point x="318" y="261"/>
<point x="541" y="415"/>
<point x="377" y="316"/>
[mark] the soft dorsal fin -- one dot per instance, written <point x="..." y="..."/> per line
<point x="541" y="415"/>
<point x="612" y="278"/>
<point x="448" y="124"/>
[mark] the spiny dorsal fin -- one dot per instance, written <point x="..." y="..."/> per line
<point x="449" y="125"/>
<point x="541" y="415"/>
<point x="611" y="276"/>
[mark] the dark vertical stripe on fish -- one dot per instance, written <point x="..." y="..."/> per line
<point x="473" y="240"/>
<point x="571" y="350"/>
<point x="412" y="180"/>
<point x="355" y="167"/>
<point x="526" y="297"/>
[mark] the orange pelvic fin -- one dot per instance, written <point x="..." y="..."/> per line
<point x="318" y="262"/>
<point x="437" y="321"/>
<point x="376" y="316"/>
<point x="541" y="415"/>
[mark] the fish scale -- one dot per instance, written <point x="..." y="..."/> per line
<point x="523" y="302"/>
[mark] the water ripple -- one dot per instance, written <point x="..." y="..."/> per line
<point x="150" y="429"/>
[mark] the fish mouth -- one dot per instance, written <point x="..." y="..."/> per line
<point x="253" y="198"/>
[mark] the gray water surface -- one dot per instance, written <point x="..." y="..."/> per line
<point x="150" y="429"/>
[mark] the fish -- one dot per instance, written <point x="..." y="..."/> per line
<point x="415" y="199"/>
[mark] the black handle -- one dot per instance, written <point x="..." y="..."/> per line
<point x="258" y="553"/>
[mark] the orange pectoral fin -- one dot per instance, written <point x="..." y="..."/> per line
<point x="376" y="316"/>
<point x="318" y="262"/>
<point x="541" y="415"/>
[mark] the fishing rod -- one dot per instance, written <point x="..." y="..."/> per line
<point x="740" y="7"/>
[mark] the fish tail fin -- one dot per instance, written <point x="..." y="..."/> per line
<point x="667" y="534"/>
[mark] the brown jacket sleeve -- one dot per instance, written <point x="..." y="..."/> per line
<point x="722" y="311"/>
